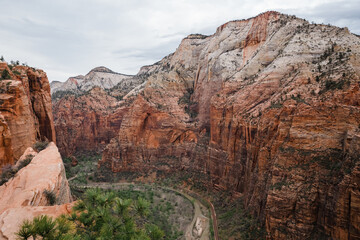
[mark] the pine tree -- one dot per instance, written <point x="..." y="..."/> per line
<point x="5" y="74"/>
<point x="100" y="216"/>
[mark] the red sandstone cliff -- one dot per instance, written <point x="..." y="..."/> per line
<point x="267" y="108"/>
<point x="86" y="120"/>
<point x="25" y="111"/>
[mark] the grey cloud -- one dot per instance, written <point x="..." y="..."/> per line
<point x="338" y="13"/>
<point x="67" y="38"/>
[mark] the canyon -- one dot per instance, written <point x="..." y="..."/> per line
<point x="266" y="108"/>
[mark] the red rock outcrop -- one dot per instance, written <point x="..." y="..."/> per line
<point x="267" y="108"/>
<point x="25" y="111"/>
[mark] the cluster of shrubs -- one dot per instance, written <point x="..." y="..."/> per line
<point x="50" y="197"/>
<point x="5" y="75"/>
<point x="39" y="146"/>
<point x="9" y="171"/>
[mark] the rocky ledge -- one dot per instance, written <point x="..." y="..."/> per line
<point x="26" y="194"/>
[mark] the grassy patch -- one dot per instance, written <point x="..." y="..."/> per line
<point x="84" y="170"/>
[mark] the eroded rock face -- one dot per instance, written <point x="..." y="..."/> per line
<point x="88" y="110"/>
<point x="45" y="172"/>
<point x="23" y="197"/>
<point x="25" y="111"/>
<point x="101" y="77"/>
<point x="87" y="122"/>
<point x="267" y="108"/>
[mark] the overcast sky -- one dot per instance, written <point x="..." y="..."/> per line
<point x="70" y="37"/>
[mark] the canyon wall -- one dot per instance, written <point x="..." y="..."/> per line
<point x="88" y="110"/>
<point x="87" y="122"/>
<point x="266" y="108"/>
<point x="25" y="111"/>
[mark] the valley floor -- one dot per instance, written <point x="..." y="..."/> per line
<point x="198" y="229"/>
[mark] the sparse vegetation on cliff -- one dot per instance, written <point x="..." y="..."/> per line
<point x="40" y="145"/>
<point x="60" y="94"/>
<point x="9" y="171"/>
<point x="50" y="197"/>
<point x="5" y="75"/>
<point x="189" y="104"/>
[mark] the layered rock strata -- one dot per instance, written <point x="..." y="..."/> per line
<point x="25" y="111"/>
<point x="267" y="108"/>
<point x="89" y="114"/>
<point x="101" y="77"/>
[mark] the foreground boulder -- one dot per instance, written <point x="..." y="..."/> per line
<point x="11" y="219"/>
<point x="24" y="196"/>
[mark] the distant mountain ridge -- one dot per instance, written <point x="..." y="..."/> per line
<point x="101" y="77"/>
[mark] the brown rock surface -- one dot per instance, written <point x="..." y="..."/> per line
<point x="267" y="108"/>
<point x="25" y="111"/>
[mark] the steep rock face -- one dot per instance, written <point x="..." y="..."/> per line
<point x="86" y="120"/>
<point x="267" y="108"/>
<point x="23" y="197"/>
<point x="45" y="172"/>
<point x="25" y="111"/>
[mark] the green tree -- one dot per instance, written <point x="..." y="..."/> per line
<point x="46" y="228"/>
<point x="154" y="232"/>
<point x="98" y="216"/>
<point x="5" y="74"/>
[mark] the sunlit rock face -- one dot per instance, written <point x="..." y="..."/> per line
<point x="23" y="196"/>
<point x="25" y="111"/>
<point x="267" y="108"/>
<point x="88" y="110"/>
